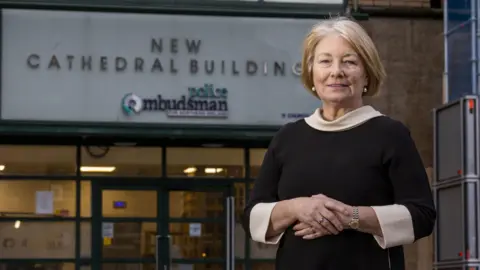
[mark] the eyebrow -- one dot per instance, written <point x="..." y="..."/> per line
<point x="346" y="55"/>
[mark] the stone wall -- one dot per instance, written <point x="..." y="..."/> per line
<point x="412" y="51"/>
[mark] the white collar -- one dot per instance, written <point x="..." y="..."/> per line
<point x="347" y="121"/>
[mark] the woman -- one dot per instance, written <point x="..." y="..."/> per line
<point x="344" y="188"/>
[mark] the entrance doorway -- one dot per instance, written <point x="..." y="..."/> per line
<point x="177" y="224"/>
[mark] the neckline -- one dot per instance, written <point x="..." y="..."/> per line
<point x="347" y="121"/>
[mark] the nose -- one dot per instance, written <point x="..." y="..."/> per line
<point x="337" y="69"/>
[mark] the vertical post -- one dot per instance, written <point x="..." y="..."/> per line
<point x="230" y="236"/>
<point x="473" y="31"/>
<point x="445" y="45"/>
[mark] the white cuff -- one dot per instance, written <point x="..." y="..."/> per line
<point x="259" y="221"/>
<point x="396" y="224"/>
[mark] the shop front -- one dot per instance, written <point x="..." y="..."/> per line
<point x="130" y="141"/>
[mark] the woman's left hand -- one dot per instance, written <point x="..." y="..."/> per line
<point x="307" y="232"/>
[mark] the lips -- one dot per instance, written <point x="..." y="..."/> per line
<point x="338" y="85"/>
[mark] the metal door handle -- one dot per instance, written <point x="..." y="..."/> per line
<point x="164" y="263"/>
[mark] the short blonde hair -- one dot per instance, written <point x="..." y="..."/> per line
<point x="360" y="41"/>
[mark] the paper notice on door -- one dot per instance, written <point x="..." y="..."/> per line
<point x="44" y="202"/>
<point x="107" y="230"/>
<point x="195" y="229"/>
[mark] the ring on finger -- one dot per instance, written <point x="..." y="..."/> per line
<point x="321" y="220"/>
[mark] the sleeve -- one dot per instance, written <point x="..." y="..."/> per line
<point x="263" y="198"/>
<point x="413" y="214"/>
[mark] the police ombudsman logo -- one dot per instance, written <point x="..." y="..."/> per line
<point x="132" y="104"/>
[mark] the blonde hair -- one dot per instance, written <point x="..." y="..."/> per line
<point x="360" y="41"/>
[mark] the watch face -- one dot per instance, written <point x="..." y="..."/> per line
<point x="354" y="224"/>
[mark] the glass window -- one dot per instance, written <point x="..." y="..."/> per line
<point x="205" y="162"/>
<point x="85" y="199"/>
<point x="85" y="239"/>
<point x="209" y="244"/>
<point x="129" y="203"/>
<point x="260" y="250"/>
<point x="37" y="265"/>
<point x="263" y="265"/>
<point x="240" y="235"/>
<point x="130" y="240"/>
<point x="37" y="160"/>
<point x="338" y="2"/>
<point x="121" y="161"/>
<point x="129" y="266"/>
<point x="256" y="159"/>
<point x="37" y="198"/>
<point x="37" y="240"/>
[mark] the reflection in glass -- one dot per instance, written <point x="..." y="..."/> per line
<point x="39" y="160"/>
<point x="264" y="266"/>
<point x="207" y="242"/>
<point x="128" y="266"/>
<point x="37" y="240"/>
<point x="130" y="240"/>
<point x="205" y="162"/>
<point x="187" y="204"/>
<point x="256" y="159"/>
<point x="86" y="198"/>
<point x="199" y="266"/>
<point x="85" y="239"/>
<point x="240" y="236"/>
<point x="260" y="250"/>
<point x="129" y="203"/>
<point x="35" y="198"/>
<point x="121" y="161"/>
<point x="37" y="266"/>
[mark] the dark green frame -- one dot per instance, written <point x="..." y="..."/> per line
<point x="124" y="183"/>
<point x="163" y="219"/>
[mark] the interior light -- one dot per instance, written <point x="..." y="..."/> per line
<point x="97" y="169"/>
<point x="213" y="170"/>
<point x="2" y="167"/>
<point x="17" y="224"/>
<point x="190" y="170"/>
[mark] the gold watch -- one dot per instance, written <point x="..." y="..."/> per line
<point x="355" y="221"/>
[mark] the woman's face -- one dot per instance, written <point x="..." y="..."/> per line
<point x="338" y="72"/>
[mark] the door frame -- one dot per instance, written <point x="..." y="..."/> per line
<point x="162" y="187"/>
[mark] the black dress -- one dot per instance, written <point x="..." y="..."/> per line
<point x="361" y="159"/>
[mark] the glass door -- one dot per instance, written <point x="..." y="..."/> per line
<point x="200" y="224"/>
<point x="126" y="217"/>
<point x="161" y="225"/>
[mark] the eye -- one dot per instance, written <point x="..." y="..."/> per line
<point x="323" y="61"/>
<point x="350" y="62"/>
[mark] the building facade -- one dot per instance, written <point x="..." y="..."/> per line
<point x="132" y="138"/>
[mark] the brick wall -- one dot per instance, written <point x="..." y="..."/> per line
<point x="412" y="51"/>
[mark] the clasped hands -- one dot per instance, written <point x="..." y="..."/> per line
<point x="320" y="215"/>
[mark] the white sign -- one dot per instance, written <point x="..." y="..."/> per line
<point x="195" y="229"/>
<point x="144" y="68"/>
<point x="44" y="202"/>
<point x="107" y="230"/>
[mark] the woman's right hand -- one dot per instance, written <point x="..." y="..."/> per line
<point x="312" y="211"/>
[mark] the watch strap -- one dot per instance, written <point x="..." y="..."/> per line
<point x="354" y="222"/>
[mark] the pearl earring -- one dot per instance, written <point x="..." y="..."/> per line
<point x="313" y="88"/>
<point x="365" y="90"/>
